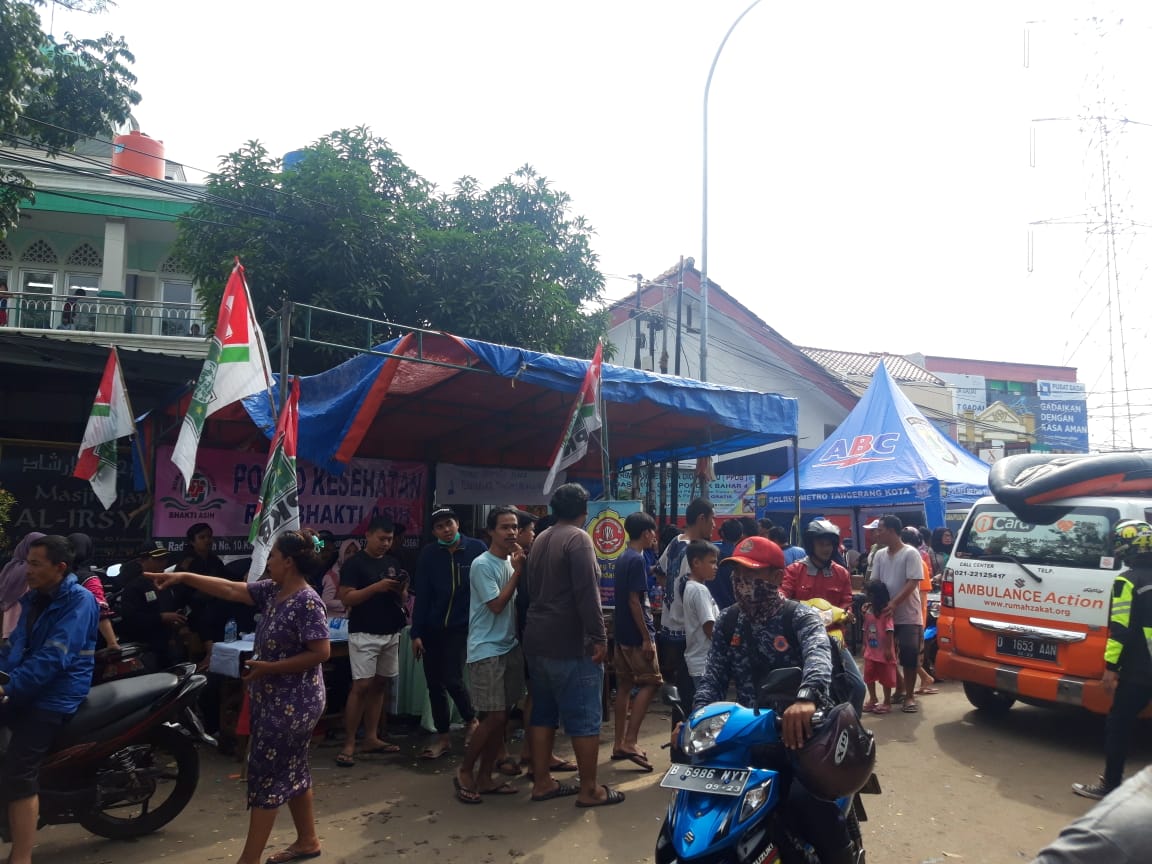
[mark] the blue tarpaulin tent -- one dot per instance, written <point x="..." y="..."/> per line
<point x="884" y="454"/>
<point x="422" y="405"/>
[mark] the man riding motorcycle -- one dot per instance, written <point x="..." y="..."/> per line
<point x="49" y="663"/>
<point x="759" y="643"/>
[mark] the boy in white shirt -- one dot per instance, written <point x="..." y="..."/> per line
<point x="700" y="610"/>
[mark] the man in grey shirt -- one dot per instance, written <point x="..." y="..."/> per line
<point x="565" y="645"/>
<point x="901" y="568"/>
<point x="1115" y="831"/>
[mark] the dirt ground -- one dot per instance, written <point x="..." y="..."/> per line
<point x="958" y="786"/>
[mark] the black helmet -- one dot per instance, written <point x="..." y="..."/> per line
<point x="839" y="757"/>
<point x="818" y="528"/>
<point x="1132" y="540"/>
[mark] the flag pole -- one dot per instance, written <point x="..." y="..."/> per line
<point x="285" y="347"/>
<point x="605" y="460"/>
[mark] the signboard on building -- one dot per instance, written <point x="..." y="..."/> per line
<point x="969" y="392"/>
<point x="49" y="499"/>
<point x="731" y="494"/>
<point x="1062" y="415"/>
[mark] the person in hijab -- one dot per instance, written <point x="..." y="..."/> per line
<point x="84" y="551"/>
<point x="14" y="582"/>
<point x="331" y="587"/>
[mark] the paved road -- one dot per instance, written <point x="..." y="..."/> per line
<point x="958" y="787"/>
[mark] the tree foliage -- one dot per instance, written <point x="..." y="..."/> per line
<point x="55" y="92"/>
<point x="350" y="227"/>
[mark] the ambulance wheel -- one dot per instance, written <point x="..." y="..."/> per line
<point x="988" y="699"/>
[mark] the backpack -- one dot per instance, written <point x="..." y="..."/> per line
<point x="842" y="688"/>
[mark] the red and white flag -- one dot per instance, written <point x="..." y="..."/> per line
<point x="236" y="367"/>
<point x="279" y="506"/>
<point x="110" y="420"/>
<point x="584" y="420"/>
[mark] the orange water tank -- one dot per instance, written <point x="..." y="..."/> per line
<point x="138" y="155"/>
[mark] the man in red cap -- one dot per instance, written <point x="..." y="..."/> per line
<point x="763" y="632"/>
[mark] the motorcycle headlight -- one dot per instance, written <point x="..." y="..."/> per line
<point x="704" y="734"/>
<point x="755" y="798"/>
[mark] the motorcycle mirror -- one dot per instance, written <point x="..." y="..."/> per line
<point x="670" y="694"/>
<point x="781" y="682"/>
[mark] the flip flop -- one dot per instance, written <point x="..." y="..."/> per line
<point x="622" y="755"/>
<point x="870" y="708"/>
<point x="910" y="708"/>
<point x="466" y="796"/>
<point x="611" y="796"/>
<point x="562" y="790"/>
<point x="291" y="854"/>
<point x="882" y="709"/>
<point x="508" y="767"/>
<point x="387" y="747"/>
<point x="345" y="760"/>
<point x="564" y="765"/>
<point x="637" y="759"/>
<point x="430" y="754"/>
<point x="502" y="789"/>
<point x="927" y="691"/>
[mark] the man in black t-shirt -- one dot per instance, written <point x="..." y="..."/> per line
<point x="373" y="589"/>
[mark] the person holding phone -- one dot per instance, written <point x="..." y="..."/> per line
<point x="285" y="688"/>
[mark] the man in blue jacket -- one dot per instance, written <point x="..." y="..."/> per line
<point x="440" y="622"/>
<point x="49" y="663"/>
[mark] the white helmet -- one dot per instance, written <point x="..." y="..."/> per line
<point x="822" y="528"/>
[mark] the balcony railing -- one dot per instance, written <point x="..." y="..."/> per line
<point x="101" y="314"/>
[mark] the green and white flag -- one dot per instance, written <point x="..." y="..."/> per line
<point x="110" y="420"/>
<point x="279" y="507"/>
<point x="584" y="420"/>
<point x="236" y="367"/>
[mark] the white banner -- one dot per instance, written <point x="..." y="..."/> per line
<point x="458" y="484"/>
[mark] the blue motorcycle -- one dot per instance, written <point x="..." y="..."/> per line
<point x="731" y="778"/>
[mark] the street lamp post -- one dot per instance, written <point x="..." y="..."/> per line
<point x="704" y="239"/>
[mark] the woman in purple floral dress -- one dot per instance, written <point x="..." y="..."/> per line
<point x="285" y="688"/>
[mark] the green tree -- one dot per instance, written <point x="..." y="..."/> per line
<point x="350" y="227"/>
<point x="55" y="92"/>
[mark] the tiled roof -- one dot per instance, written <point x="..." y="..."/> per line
<point x="851" y="364"/>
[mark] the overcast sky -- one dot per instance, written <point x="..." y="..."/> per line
<point x="871" y="185"/>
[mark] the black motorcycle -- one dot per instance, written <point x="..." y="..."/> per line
<point x="126" y="764"/>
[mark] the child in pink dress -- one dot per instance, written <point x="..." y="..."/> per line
<point x="879" y="647"/>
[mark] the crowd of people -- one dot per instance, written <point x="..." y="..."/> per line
<point x="515" y="622"/>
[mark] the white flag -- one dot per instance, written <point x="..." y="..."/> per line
<point x="583" y="421"/>
<point x="236" y="367"/>
<point x="110" y="420"/>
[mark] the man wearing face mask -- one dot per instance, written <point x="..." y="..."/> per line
<point x="751" y="640"/>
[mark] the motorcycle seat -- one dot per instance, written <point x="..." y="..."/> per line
<point x="107" y="703"/>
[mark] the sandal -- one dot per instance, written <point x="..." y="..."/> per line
<point x="927" y="691"/>
<point x="882" y="709"/>
<point x="870" y="708"/>
<point x="502" y="789"/>
<point x="508" y="767"/>
<point x="434" y="752"/>
<point x="291" y="854"/>
<point x="386" y="748"/>
<point x="611" y="796"/>
<point x="562" y="790"/>
<point x="345" y="760"/>
<point x="910" y="708"/>
<point x="466" y="796"/>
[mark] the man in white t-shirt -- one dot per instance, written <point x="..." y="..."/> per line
<point x="900" y="568"/>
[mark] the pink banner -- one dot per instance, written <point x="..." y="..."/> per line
<point x="226" y="488"/>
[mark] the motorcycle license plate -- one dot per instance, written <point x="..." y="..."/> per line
<point x="1032" y="649"/>
<point x="718" y="781"/>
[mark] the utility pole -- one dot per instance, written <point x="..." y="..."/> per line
<point x="639" y="286"/>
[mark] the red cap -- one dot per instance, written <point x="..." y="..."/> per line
<point x="758" y="553"/>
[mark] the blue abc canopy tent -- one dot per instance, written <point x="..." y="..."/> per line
<point x="884" y="454"/>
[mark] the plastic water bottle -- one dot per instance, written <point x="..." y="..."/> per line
<point x="230" y="631"/>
